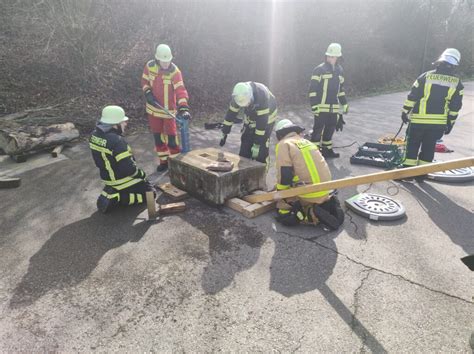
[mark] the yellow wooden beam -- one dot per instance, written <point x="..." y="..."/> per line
<point x="364" y="179"/>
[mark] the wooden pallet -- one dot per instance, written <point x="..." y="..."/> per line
<point x="250" y="210"/>
<point x="155" y="209"/>
<point x="173" y="192"/>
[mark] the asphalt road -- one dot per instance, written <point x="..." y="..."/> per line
<point x="72" y="279"/>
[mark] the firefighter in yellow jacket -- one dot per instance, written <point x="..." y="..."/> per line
<point x="299" y="162"/>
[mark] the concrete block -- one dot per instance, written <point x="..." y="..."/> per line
<point x="188" y="172"/>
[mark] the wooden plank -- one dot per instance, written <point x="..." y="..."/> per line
<point x="260" y="208"/>
<point x="364" y="179"/>
<point x="238" y="205"/>
<point x="172" y="191"/>
<point x="9" y="182"/>
<point x="151" y="205"/>
<point x="57" y="150"/>
<point x="172" y="208"/>
<point x="250" y="210"/>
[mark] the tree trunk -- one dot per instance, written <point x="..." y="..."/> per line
<point x="20" y="140"/>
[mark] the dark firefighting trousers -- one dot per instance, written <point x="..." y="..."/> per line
<point x="324" y="126"/>
<point x="421" y="135"/>
<point x="111" y="197"/>
<point x="248" y="140"/>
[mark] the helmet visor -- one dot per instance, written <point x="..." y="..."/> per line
<point x="242" y="100"/>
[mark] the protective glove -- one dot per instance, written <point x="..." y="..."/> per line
<point x="340" y="123"/>
<point x="184" y="114"/>
<point x="449" y="127"/>
<point x="150" y="98"/>
<point x="223" y="139"/>
<point x="255" y="150"/>
<point x="405" y="118"/>
<point x="141" y="174"/>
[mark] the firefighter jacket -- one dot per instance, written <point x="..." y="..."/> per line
<point x="114" y="158"/>
<point x="299" y="162"/>
<point x="326" y="91"/>
<point x="435" y="98"/>
<point x="259" y="115"/>
<point x="168" y="88"/>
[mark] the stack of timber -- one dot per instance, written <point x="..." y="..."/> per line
<point x="250" y="210"/>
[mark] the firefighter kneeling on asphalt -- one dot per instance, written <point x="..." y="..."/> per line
<point x="299" y="162"/>
<point x="125" y="183"/>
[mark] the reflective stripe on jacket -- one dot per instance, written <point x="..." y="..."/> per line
<point x="167" y="86"/>
<point x="435" y="97"/>
<point x="306" y="163"/>
<point x="326" y="90"/>
<point x="114" y="158"/>
<point x="261" y="113"/>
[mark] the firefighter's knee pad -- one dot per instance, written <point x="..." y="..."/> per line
<point x="330" y="213"/>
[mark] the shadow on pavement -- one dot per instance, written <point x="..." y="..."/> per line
<point x="299" y="267"/>
<point x="454" y="220"/>
<point x="233" y="245"/>
<point x="74" y="251"/>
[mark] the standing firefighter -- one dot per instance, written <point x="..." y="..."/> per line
<point x="433" y="104"/>
<point x="328" y="100"/>
<point x="260" y="110"/>
<point x="125" y="183"/>
<point x="298" y="162"/>
<point x="164" y="90"/>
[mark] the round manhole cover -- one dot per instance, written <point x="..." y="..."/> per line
<point x="376" y="207"/>
<point x="457" y="175"/>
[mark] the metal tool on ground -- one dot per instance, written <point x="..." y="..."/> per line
<point x="376" y="207"/>
<point x="209" y="126"/>
<point x="453" y="176"/>
<point x="183" y="127"/>
<point x="364" y="179"/>
<point x="380" y="155"/>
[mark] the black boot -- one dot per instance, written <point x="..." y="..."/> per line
<point x="105" y="204"/>
<point x="162" y="167"/>
<point x="329" y="153"/>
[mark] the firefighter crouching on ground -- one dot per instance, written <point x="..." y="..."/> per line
<point x="299" y="162"/>
<point x="163" y="86"/>
<point x="260" y="111"/>
<point x="328" y="100"/>
<point x="125" y="184"/>
<point x="431" y="108"/>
